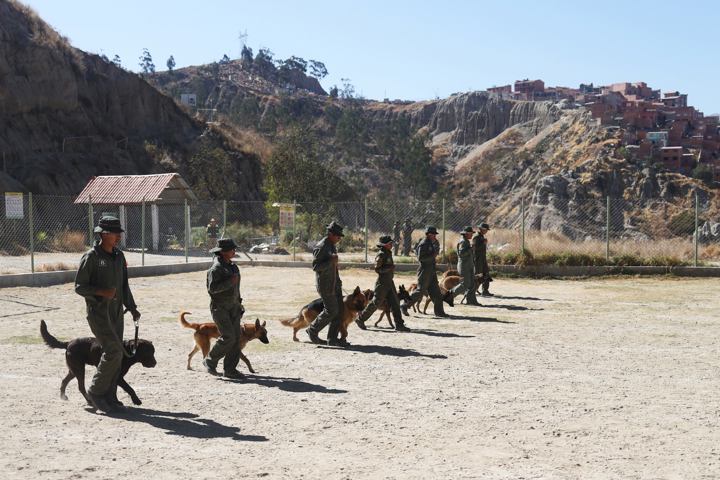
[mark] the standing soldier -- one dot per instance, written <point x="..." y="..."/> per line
<point x="223" y="285"/>
<point x="212" y="232"/>
<point x="384" y="287"/>
<point x="466" y="268"/>
<point x="329" y="286"/>
<point x="479" y="244"/>
<point x="407" y="237"/>
<point x="103" y="280"/>
<point x="427" y="282"/>
<point x="396" y="236"/>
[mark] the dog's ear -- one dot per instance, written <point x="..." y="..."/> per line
<point x="357" y="290"/>
<point x="257" y="323"/>
<point x="263" y="323"/>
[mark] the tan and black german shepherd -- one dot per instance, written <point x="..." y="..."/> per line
<point x="353" y="305"/>
<point x="204" y="332"/>
<point x="384" y="308"/>
<point x="448" y="280"/>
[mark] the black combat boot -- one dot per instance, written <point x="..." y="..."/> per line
<point x="314" y="338"/>
<point x="400" y="324"/>
<point x="449" y="298"/>
<point x="486" y="293"/>
<point x="472" y="300"/>
<point x="439" y="312"/>
<point x="360" y="324"/>
<point x="404" y="306"/>
<point x="210" y="367"/>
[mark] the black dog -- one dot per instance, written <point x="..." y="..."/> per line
<point x="87" y="351"/>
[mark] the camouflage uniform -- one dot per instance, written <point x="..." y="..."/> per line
<point x="407" y="237"/>
<point x="396" y="237"/>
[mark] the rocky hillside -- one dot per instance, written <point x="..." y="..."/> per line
<point x="66" y="116"/>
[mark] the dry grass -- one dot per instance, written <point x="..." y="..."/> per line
<point x="54" y="267"/>
<point x="68" y="241"/>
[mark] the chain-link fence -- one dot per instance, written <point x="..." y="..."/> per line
<point x="45" y="233"/>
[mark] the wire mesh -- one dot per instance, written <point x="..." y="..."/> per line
<point x="550" y="229"/>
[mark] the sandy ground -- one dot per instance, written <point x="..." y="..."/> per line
<point x="612" y="378"/>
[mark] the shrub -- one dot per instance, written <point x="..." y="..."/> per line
<point x="68" y="241"/>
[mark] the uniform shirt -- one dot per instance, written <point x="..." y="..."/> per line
<point x="479" y="244"/>
<point x="396" y="233"/>
<point x="219" y="282"/>
<point x="464" y="250"/>
<point x="426" y="251"/>
<point x="384" y="265"/>
<point x="101" y="270"/>
<point x="327" y="277"/>
<point x="212" y="231"/>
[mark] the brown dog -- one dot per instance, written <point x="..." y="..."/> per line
<point x="353" y="304"/>
<point x="449" y="280"/>
<point x="87" y="351"/>
<point x="204" y="332"/>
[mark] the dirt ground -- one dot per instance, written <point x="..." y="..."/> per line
<point x="613" y="378"/>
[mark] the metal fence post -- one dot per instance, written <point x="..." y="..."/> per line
<point x="443" y="229"/>
<point x="222" y="235"/>
<point x="294" y="231"/>
<point x="366" y="229"/>
<point x="187" y="229"/>
<point x="522" y="226"/>
<point x="142" y="232"/>
<point x="607" y="230"/>
<point x="32" y="233"/>
<point x="90" y="220"/>
<point x="695" y="262"/>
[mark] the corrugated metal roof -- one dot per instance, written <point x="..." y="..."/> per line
<point x="133" y="189"/>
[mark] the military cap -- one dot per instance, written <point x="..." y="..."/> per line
<point x="484" y="225"/>
<point x="430" y="229"/>
<point x="467" y="229"/>
<point x="108" y="223"/>
<point x="385" y="239"/>
<point x="335" y="228"/>
<point x="224" y="245"/>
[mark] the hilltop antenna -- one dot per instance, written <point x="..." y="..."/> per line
<point x="242" y="36"/>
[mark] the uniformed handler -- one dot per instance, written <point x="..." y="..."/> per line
<point x="329" y="286"/>
<point x="384" y="287"/>
<point x="212" y="231"/>
<point x="223" y="285"/>
<point x="479" y="245"/>
<point x="427" y="251"/>
<point x="466" y="267"/>
<point x="396" y="236"/>
<point x="407" y="237"/>
<point x="102" y="279"/>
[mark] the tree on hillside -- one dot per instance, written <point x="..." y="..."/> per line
<point x="170" y="63"/>
<point x="318" y="70"/>
<point x="116" y="60"/>
<point x="246" y="56"/>
<point x="334" y="92"/>
<point x="146" y="62"/>
<point x="225" y="59"/>
<point x="348" y="90"/>
<point x="264" y="62"/>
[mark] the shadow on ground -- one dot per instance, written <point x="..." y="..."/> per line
<point x="186" y="424"/>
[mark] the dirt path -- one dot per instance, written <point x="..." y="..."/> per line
<point x="556" y="379"/>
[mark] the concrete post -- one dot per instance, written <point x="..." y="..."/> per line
<point x="142" y="231"/>
<point x="32" y="233"/>
<point x="366" y="229"/>
<point x="187" y="229"/>
<point x="695" y="261"/>
<point x="607" y="230"/>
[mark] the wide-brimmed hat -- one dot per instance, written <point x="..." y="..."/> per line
<point x="224" y="245"/>
<point x="484" y="225"/>
<point x="335" y="228"/>
<point x="110" y="224"/>
<point x="384" y="240"/>
<point x="467" y="229"/>
<point x="430" y="229"/>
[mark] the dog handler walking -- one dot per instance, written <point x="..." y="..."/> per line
<point x="384" y="286"/>
<point x="427" y="282"/>
<point x="102" y="279"/>
<point x="329" y="286"/>
<point x="466" y="267"/>
<point x="223" y="285"/>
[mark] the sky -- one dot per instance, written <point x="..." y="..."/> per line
<point x="418" y="50"/>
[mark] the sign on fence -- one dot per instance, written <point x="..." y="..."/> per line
<point x="14" y="205"/>
<point x="287" y="216"/>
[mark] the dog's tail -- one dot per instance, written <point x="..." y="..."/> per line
<point x="290" y="322"/>
<point x="187" y="324"/>
<point x="49" y="340"/>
